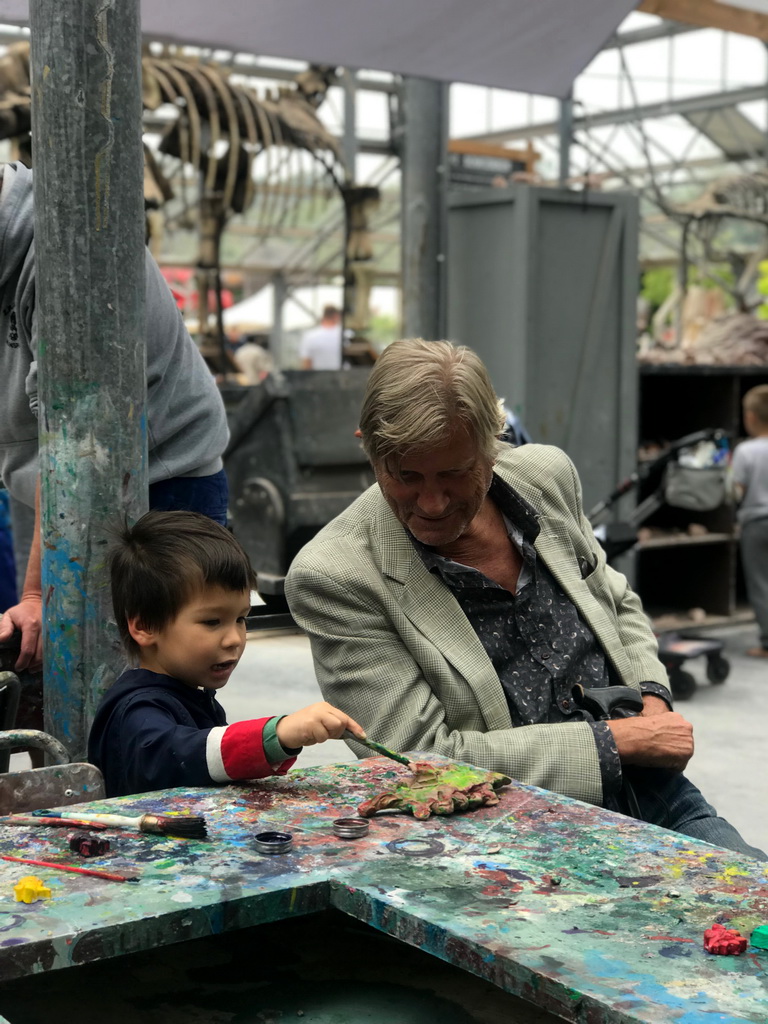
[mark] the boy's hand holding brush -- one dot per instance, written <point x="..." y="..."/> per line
<point x="320" y="722"/>
<point x="316" y="724"/>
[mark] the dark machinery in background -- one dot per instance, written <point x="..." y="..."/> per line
<point x="293" y="464"/>
<point x="698" y="489"/>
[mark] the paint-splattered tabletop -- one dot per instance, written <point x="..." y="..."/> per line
<point x="587" y="914"/>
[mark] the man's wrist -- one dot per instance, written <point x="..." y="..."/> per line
<point x="655" y="704"/>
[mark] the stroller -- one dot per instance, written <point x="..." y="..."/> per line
<point x="697" y="488"/>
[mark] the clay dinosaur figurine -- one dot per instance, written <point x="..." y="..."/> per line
<point x="438" y="790"/>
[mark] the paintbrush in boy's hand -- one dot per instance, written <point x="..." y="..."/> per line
<point x="377" y="748"/>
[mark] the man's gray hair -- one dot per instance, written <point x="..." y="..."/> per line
<point x="418" y="391"/>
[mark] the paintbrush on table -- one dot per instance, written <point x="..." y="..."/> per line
<point x="377" y="748"/>
<point x="41" y="819"/>
<point x="182" y="826"/>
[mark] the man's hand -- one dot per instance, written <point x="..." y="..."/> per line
<point x="315" y="724"/>
<point x="26" y="616"/>
<point x="655" y="740"/>
<point x="654" y="705"/>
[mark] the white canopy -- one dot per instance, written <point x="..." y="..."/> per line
<point x="252" y="314"/>
<point x="536" y="46"/>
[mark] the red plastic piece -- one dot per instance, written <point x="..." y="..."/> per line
<point x="87" y="845"/>
<point x="724" y="941"/>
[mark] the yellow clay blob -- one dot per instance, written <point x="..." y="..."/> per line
<point x="28" y="889"/>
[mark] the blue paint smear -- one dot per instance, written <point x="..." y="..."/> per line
<point x="708" y="1017"/>
<point x="675" y="952"/>
<point x="652" y="991"/>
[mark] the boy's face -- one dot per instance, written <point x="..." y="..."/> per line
<point x="204" y="643"/>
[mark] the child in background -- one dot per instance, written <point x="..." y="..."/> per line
<point x="181" y="588"/>
<point x="750" y="475"/>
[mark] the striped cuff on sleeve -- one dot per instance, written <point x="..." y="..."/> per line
<point x="213" y="754"/>
<point x="237" y="751"/>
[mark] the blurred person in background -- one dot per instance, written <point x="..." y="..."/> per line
<point x="750" y="476"/>
<point x="186" y="421"/>
<point x="253" y="359"/>
<point x="321" y="347"/>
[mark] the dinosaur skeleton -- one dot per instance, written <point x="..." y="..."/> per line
<point x="244" y="147"/>
<point x="228" y="133"/>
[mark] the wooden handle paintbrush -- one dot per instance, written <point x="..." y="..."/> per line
<point x="377" y="748"/>
<point x="183" y="826"/>
<point x="39" y="819"/>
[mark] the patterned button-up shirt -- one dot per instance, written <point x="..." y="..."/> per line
<point x="536" y="639"/>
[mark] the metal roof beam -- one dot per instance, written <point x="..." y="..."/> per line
<point x="665" y="30"/>
<point x="625" y="115"/>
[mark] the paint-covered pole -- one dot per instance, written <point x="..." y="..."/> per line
<point x="89" y="251"/>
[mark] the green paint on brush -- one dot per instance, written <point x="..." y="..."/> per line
<point x="377" y="748"/>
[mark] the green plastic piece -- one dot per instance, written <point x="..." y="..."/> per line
<point x="759" y="937"/>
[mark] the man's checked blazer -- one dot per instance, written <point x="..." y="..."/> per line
<point x="393" y="648"/>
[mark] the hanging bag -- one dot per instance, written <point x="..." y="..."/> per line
<point x="698" y="489"/>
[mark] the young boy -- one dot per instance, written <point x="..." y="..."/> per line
<point x="181" y="591"/>
<point x="750" y="474"/>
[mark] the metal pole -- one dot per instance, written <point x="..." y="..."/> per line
<point x="89" y="244"/>
<point x="349" y="139"/>
<point x="424" y="143"/>
<point x="279" y="295"/>
<point x="566" y="137"/>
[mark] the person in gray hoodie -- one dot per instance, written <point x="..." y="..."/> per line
<point x="186" y="422"/>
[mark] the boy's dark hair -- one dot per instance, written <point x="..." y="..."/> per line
<point x="756" y="401"/>
<point x="157" y="565"/>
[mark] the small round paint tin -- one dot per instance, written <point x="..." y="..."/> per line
<point x="351" y="828"/>
<point x="273" y="842"/>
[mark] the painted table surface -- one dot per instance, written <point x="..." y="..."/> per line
<point x="617" y="939"/>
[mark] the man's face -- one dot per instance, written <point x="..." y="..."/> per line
<point x="437" y="493"/>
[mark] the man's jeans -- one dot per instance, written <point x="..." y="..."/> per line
<point x="208" y="495"/>
<point x="668" y="799"/>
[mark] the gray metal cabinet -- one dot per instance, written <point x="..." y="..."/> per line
<point x="542" y="283"/>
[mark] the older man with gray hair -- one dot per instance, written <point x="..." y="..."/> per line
<point x="463" y="605"/>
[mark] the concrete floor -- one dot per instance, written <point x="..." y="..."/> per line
<point x="730" y="765"/>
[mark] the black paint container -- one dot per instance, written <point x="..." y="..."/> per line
<point x="273" y="842"/>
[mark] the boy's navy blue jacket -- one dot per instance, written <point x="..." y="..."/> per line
<point x="152" y="731"/>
